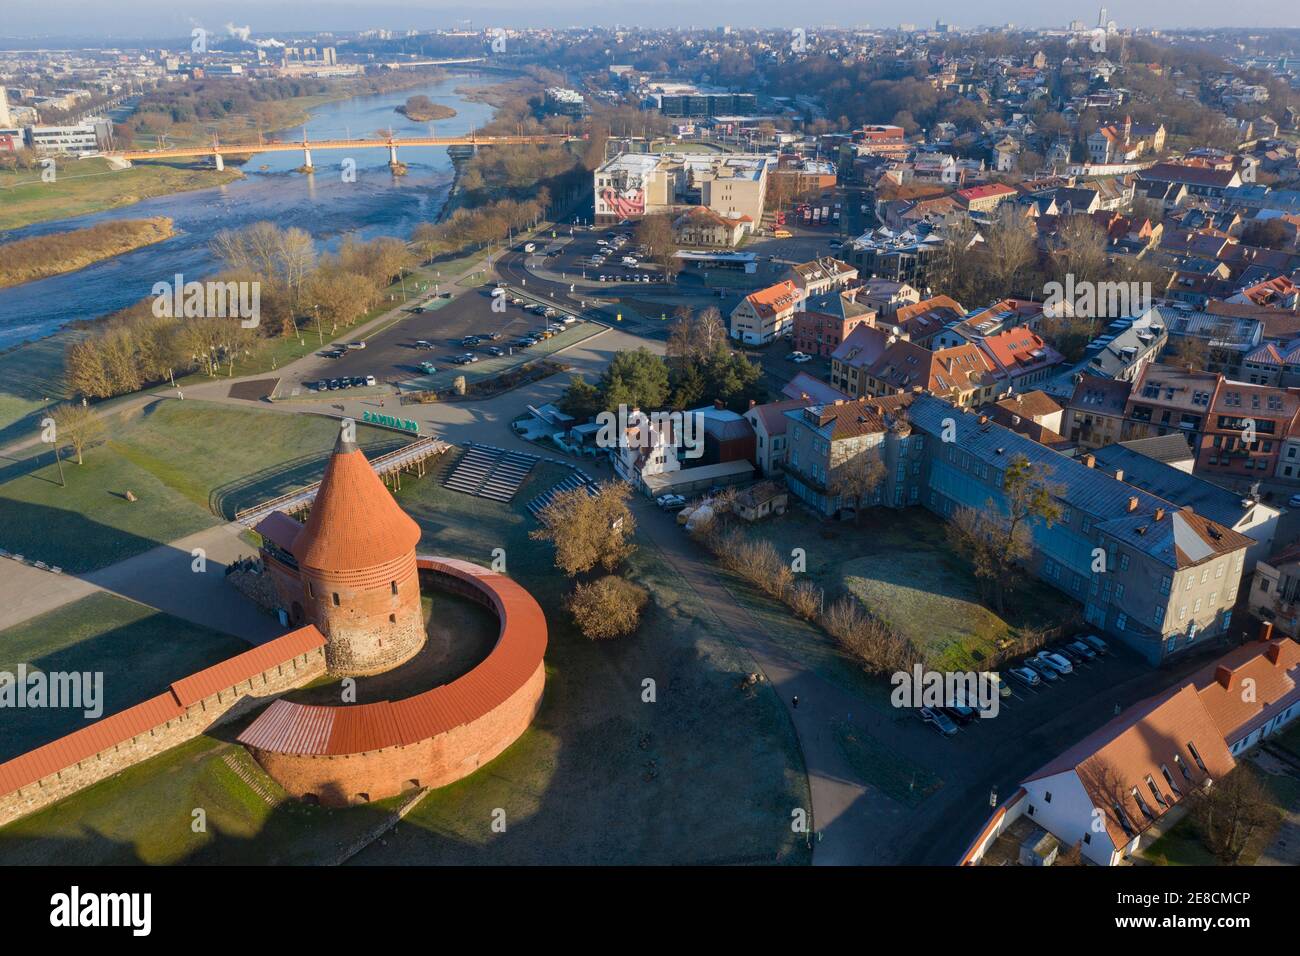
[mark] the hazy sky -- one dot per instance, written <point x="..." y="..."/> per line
<point x="169" y="18"/>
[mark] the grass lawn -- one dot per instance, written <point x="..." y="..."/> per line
<point x="138" y="650"/>
<point x="602" y="777"/>
<point x="899" y="564"/>
<point x="707" y="773"/>
<point x="90" y="185"/>
<point x="190" y="465"/>
<point x="31" y="377"/>
<point x="145" y="815"/>
<point x="896" y="775"/>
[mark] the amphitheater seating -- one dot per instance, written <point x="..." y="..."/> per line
<point x="489" y="472"/>
<point x="576" y="480"/>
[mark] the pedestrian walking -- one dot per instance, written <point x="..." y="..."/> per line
<point x="795" y="701"/>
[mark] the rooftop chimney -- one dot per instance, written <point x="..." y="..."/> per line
<point x="1090" y="461"/>
<point x="984" y="419"/>
<point x="1133" y="503"/>
<point x="1266" y="630"/>
<point x="1223" y="676"/>
<point x="1160" y="513"/>
<point x="1119" y="474"/>
<point x="718" y="404"/>
<point x="1273" y="653"/>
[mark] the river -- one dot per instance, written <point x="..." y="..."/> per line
<point x="376" y="203"/>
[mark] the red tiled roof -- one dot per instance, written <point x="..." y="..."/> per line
<point x="775" y="298"/>
<point x="287" y="727"/>
<point x="121" y="727"/>
<point x="354" y="523"/>
<point x="1122" y="754"/>
<point x="1271" y="666"/>
<point x="241" y="667"/>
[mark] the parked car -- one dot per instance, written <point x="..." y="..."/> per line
<point x="800" y="357"/>
<point x="1096" y="643"/>
<point x="1058" y="662"/>
<point x="498" y="291"/>
<point x="1068" y="652"/>
<point x="469" y="341"/>
<point x="1004" y="689"/>
<point x="960" y="713"/>
<point x="489" y="336"/>
<point x="370" y="381"/>
<point x="423" y="344"/>
<point x="468" y="357"/>
<point x="671" y="502"/>
<point x="1047" y="673"/>
<point x="356" y="345"/>
<point x="938" y="720"/>
<point x="1083" y="649"/>
<point x="428" y="368"/>
<point x="495" y="350"/>
<point x="1293" y="501"/>
<point x="1026" y="675"/>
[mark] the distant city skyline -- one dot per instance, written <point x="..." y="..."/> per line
<point x="160" y="18"/>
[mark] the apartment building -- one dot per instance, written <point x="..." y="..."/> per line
<point x="767" y="314"/>
<point x="1106" y="793"/>
<point x="825" y="320"/>
<point x="770" y="426"/>
<point x="1094" y="415"/>
<point x="887" y="297"/>
<point x="1166" y="400"/>
<point x="821" y="276"/>
<point x="1245" y="430"/>
<point x="1150" y="572"/>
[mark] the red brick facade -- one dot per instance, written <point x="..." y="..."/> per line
<point x="435" y="762"/>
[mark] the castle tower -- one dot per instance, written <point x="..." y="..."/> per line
<point x="356" y="559"/>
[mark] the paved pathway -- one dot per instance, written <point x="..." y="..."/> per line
<point x="847" y="813"/>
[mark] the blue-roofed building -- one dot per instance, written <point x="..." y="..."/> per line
<point x="1149" y="570"/>
<point x="1245" y="514"/>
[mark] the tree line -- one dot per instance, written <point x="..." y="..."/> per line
<point x="301" y="292"/>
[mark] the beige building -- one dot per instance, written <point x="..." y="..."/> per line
<point x="767" y="314"/>
<point x="632" y="185"/>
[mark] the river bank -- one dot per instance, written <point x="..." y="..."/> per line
<point x="87" y="186"/>
<point x="40" y="257"/>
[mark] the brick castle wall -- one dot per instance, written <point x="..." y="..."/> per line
<point x="200" y="717"/>
<point x="434" y="762"/>
<point x="372" y="619"/>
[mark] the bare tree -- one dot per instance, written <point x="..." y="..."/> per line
<point x="858" y="479"/>
<point x="1231" y="812"/>
<point x="77" y="425"/>
<point x="589" y="530"/>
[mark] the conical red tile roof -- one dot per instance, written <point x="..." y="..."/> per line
<point x="355" y="523"/>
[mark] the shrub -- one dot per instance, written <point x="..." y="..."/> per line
<point x="608" y="607"/>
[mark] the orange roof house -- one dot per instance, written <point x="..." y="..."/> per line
<point x="1136" y="768"/>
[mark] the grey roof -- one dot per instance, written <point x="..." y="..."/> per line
<point x="1090" y="490"/>
<point x="1166" y="448"/>
<point x="1184" y="490"/>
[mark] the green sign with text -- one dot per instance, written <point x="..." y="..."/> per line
<point x="388" y="421"/>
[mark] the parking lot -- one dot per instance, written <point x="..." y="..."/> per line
<point x="391" y="356"/>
